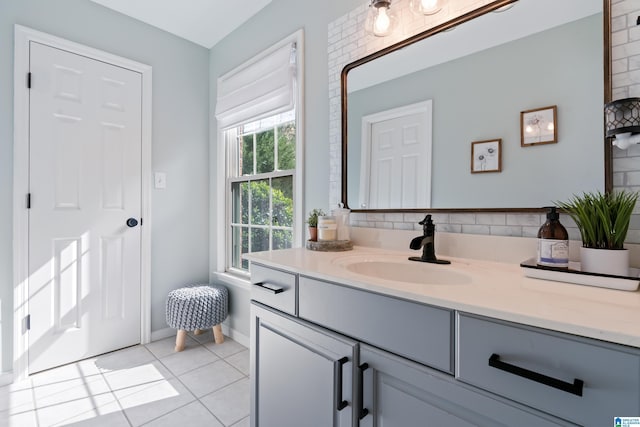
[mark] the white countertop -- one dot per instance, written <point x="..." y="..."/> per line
<point x="494" y="289"/>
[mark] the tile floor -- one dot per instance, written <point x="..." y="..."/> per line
<point x="204" y="385"/>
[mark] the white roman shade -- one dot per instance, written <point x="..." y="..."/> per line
<point x="259" y="88"/>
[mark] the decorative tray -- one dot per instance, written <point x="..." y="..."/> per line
<point x="574" y="275"/>
<point x="330" y="245"/>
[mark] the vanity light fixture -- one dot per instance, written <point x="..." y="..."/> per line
<point x="425" y="7"/>
<point x="381" y="20"/>
<point x="622" y="122"/>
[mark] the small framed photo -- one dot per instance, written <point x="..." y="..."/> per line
<point x="539" y="126"/>
<point x="486" y="156"/>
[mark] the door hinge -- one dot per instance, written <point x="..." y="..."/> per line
<point x="27" y="322"/>
<point x="28" y="200"/>
<point x="29" y="80"/>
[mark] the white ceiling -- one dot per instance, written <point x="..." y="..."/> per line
<point x="204" y="22"/>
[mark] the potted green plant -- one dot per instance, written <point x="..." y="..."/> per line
<point x="312" y="221"/>
<point x="603" y="221"/>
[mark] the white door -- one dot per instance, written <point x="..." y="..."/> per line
<point x="85" y="182"/>
<point x="400" y="163"/>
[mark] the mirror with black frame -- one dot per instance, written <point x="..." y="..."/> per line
<point x="422" y="117"/>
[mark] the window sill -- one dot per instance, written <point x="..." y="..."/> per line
<point x="232" y="279"/>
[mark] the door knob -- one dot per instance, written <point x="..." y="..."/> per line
<point x="132" y="222"/>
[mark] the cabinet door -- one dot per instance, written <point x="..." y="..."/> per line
<point x="301" y="375"/>
<point x="400" y="393"/>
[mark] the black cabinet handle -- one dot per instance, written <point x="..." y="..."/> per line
<point x="132" y="222"/>
<point x="573" y="388"/>
<point x="340" y="404"/>
<point x="362" y="411"/>
<point x="270" y="287"/>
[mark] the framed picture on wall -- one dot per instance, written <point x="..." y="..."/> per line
<point x="539" y="126"/>
<point x="486" y="156"/>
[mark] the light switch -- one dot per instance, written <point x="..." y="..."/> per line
<point x="160" y="180"/>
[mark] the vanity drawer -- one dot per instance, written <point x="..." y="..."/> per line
<point x="416" y="331"/>
<point x="545" y="369"/>
<point x="274" y="288"/>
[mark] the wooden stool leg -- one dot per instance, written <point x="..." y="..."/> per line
<point x="180" y="339"/>
<point x="217" y="334"/>
<point x="198" y="332"/>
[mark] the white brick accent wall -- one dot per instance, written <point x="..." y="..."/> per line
<point x="348" y="42"/>
<point x="625" y="82"/>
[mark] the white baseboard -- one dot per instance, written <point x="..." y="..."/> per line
<point x="6" y="378"/>
<point x="170" y="332"/>
<point x="235" y="335"/>
<point x="161" y="334"/>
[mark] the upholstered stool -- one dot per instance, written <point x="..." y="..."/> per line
<point x="197" y="307"/>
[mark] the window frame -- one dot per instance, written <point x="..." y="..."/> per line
<point x="234" y="175"/>
<point x="224" y="164"/>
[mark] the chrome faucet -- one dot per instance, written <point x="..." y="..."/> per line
<point x="427" y="243"/>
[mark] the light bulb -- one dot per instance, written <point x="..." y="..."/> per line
<point x="425" y="7"/>
<point x="428" y="5"/>
<point x="382" y="22"/>
<point x="381" y="19"/>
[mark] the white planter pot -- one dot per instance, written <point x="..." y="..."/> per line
<point x="605" y="261"/>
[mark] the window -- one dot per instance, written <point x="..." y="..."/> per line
<point x="260" y="184"/>
<point x="258" y="156"/>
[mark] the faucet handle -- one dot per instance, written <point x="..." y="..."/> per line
<point x="426" y="220"/>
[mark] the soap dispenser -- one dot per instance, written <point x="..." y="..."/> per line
<point x="553" y="242"/>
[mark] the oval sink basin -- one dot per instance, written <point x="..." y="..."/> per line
<point x="412" y="272"/>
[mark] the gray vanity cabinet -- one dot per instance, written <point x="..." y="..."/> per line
<point x="346" y="356"/>
<point x="586" y="381"/>
<point x="400" y="393"/>
<point x="301" y="375"/>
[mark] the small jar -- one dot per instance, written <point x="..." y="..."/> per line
<point x="342" y="221"/>
<point x="327" y="228"/>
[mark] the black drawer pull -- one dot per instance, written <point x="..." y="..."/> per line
<point x="362" y="411"/>
<point x="270" y="287"/>
<point x="575" y="388"/>
<point x="340" y="404"/>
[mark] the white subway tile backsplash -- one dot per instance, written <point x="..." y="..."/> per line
<point x="402" y="226"/>
<point x="523" y="219"/>
<point x="618" y="22"/>
<point x="491" y="219"/>
<point x="476" y="229"/>
<point x="620" y="66"/>
<point x="530" y="231"/>
<point x="375" y="217"/>
<point x="449" y="228"/>
<point x="394" y="217"/>
<point x="619" y="37"/>
<point x="439" y="218"/>
<point x="465" y="218"/>
<point x="500" y="230"/>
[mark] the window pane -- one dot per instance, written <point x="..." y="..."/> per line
<point x="260" y="202"/>
<point x="259" y="239"/>
<point x="287" y="146"/>
<point x="265" y="151"/>
<point x="246" y="155"/>
<point x="282" y="199"/>
<point x="282" y="239"/>
<point x="240" y="203"/>
<point x="240" y="245"/>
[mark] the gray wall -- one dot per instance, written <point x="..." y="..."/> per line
<point x="180" y="139"/>
<point x="479" y="97"/>
<point x="275" y="22"/>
